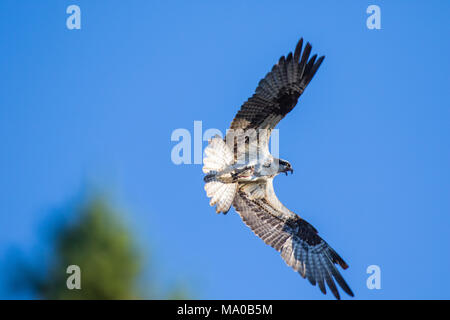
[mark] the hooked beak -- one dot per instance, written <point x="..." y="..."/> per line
<point x="291" y="170"/>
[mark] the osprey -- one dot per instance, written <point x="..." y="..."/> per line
<point x="240" y="171"/>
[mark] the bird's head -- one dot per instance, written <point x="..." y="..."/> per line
<point x="284" y="166"/>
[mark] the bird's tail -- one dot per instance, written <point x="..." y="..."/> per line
<point x="218" y="157"/>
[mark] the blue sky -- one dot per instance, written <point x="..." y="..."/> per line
<point x="368" y="140"/>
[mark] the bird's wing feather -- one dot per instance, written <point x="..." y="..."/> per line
<point x="275" y="96"/>
<point x="298" y="242"/>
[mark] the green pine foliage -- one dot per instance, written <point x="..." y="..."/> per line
<point x="104" y="250"/>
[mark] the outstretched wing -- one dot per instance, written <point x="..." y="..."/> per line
<point x="278" y="93"/>
<point x="297" y="241"/>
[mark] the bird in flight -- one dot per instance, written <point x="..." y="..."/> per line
<point x="240" y="171"/>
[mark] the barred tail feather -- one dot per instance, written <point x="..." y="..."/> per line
<point x="217" y="157"/>
<point x="221" y="194"/>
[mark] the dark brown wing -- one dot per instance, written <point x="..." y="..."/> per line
<point x="278" y="93"/>
<point x="297" y="241"/>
